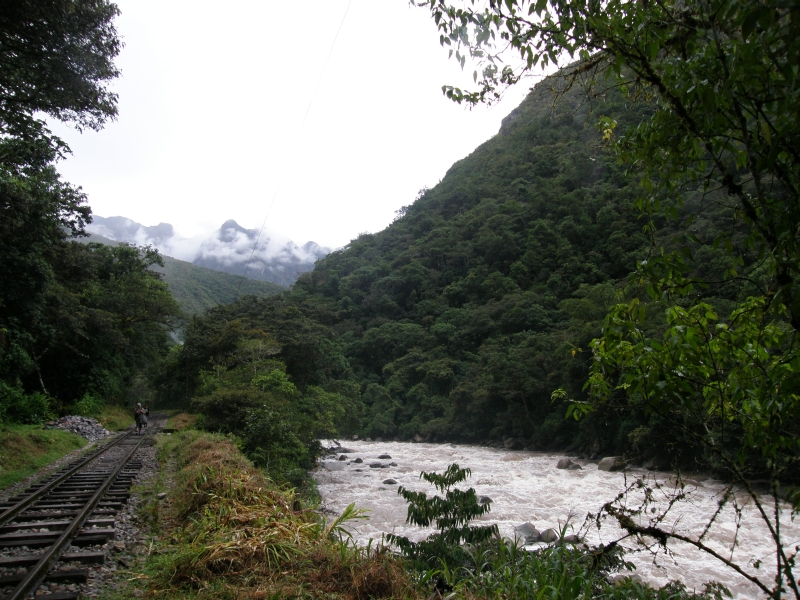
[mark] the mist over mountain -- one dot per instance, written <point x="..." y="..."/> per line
<point x="276" y="259"/>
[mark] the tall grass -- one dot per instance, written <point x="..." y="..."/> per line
<point x="235" y="533"/>
<point x="559" y="572"/>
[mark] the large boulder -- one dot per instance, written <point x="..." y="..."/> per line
<point x="563" y="463"/>
<point x="389" y="481"/>
<point x="549" y="535"/>
<point x="385" y="456"/>
<point x="574" y="467"/>
<point x="611" y="463"/>
<point x="484" y="500"/>
<point x="526" y="533"/>
<point x="359" y="460"/>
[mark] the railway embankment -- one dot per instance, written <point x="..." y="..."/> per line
<point x="218" y="527"/>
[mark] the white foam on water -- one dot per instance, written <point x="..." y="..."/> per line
<point x="526" y="486"/>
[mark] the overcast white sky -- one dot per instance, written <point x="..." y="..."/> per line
<point x="213" y="95"/>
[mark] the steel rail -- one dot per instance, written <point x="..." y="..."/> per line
<point x="12" y="512"/>
<point x="38" y="573"/>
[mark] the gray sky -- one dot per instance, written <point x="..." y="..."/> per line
<point x="212" y="102"/>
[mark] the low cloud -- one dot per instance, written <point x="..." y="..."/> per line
<point x="275" y="258"/>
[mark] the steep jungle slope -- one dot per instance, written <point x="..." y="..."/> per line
<point x="461" y="318"/>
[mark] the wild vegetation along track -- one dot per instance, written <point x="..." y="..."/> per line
<point x="75" y="506"/>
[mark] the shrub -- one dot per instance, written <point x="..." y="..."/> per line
<point x="88" y="406"/>
<point x="27" y="409"/>
<point x="451" y="514"/>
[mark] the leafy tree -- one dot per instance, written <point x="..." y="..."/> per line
<point x="106" y="318"/>
<point x="450" y="514"/>
<point x="57" y="58"/>
<point x="241" y="385"/>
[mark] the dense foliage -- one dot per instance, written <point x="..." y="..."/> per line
<point x="722" y="79"/>
<point x="721" y="138"/>
<point x="258" y="369"/>
<point x="57" y="58"/>
<point x="77" y="322"/>
<point x="461" y="318"/>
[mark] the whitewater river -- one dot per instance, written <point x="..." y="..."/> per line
<point x="527" y="487"/>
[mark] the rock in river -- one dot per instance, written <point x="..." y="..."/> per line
<point x="549" y="535"/>
<point x="611" y="463"/>
<point x="526" y="533"/>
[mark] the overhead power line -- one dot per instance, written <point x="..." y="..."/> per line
<point x="292" y="154"/>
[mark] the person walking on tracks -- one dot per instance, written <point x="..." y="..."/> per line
<point x="140" y="418"/>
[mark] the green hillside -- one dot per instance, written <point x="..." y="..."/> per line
<point x="461" y="318"/>
<point x="197" y="289"/>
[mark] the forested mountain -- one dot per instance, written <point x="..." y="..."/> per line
<point x="462" y="318"/>
<point x="480" y="300"/>
<point x="196" y="289"/>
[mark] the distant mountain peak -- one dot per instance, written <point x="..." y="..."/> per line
<point x="228" y="249"/>
<point x="226" y="231"/>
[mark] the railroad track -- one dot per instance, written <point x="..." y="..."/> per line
<point x="64" y="520"/>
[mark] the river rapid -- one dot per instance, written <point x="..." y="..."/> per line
<point x="527" y="487"/>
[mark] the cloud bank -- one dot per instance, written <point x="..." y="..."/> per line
<point x="230" y="248"/>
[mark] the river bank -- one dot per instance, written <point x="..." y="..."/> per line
<point x="527" y="486"/>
